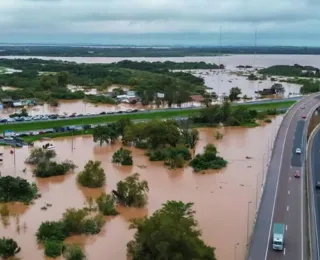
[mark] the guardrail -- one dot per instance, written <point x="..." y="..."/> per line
<point x="312" y="219"/>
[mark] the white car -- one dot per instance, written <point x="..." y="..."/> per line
<point x="298" y="151"/>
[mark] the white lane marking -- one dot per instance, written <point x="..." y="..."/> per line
<point x="289" y="178"/>
<point x="290" y="166"/>
<point x="302" y="184"/>
<point x="288" y="192"/>
<point x="280" y="166"/>
<point x="287" y="208"/>
<point x="286" y="227"/>
<point x="284" y="251"/>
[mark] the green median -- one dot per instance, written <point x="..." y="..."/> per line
<point x="153" y="114"/>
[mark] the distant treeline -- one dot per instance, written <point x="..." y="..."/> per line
<point x="68" y="51"/>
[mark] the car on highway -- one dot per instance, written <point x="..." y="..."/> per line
<point x="302" y="107"/>
<point x="318" y="185"/>
<point x="304" y="116"/>
<point x="297" y="174"/>
<point x="298" y="151"/>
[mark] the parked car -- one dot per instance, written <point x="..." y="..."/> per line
<point x="297" y="174"/>
<point x="298" y="151"/>
<point x="304" y="116"/>
<point x="86" y="127"/>
<point x="318" y="185"/>
<point x="3" y="121"/>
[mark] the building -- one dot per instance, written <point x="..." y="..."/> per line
<point x="7" y="102"/>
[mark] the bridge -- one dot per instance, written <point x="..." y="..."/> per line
<point x="283" y="198"/>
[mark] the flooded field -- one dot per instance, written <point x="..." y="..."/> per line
<point x="221" y="198"/>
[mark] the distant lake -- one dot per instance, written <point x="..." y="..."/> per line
<point x="230" y="61"/>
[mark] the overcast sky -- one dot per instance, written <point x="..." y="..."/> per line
<point x="278" y="22"/>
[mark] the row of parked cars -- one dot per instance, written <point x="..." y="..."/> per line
<point x="56" y="116"/>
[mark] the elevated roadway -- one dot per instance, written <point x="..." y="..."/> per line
<point x="283" y="198"/>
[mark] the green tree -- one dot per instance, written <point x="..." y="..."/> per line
<point x="207" y="99"/>
<point x="46" y="168"/>
<point x="73" y="252"/>
<point x="74" y="220"/>
<point x="170" y="233"/>
<point x="208" y="160"/>
<point x="132" y="192"/>
<point x="93" y="175"/>
<point x="38" y="154"/>
<point x="52" y="230"/>
<point x="53" y="248"/>
<point x="48" y="82"/>
<point x="62" y="79"/>
<point x="16" y="189"/>
<point x="105" y="134"/>
<point x="106" y="204"/>
<point x="234" y="94"/>
<point x="122" y="156"/>
<point x="8" y="247"/>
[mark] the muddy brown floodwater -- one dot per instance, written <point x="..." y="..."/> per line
<point x="220" y="197"/>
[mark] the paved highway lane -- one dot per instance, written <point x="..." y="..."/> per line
<point x="282" y="198"/>
<point x="315" y="167"/>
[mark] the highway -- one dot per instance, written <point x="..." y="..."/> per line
<point x="314" y="167"/>
<point x="283" y="198"/>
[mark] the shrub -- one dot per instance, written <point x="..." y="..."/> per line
<point x="122" y="156"/>
<point x="16" y="189"/>
<point x="46" y="168"/>
<point x="38" y="154"/>
<point x="77" y="221"/>
<point x="8" y="247"/>
<point x="51" y="230"/>
<point x="208" y="160"/>
<point x="92" y="176"/>
<point x="53" y="248"/>
<point x="132" y="192"/>
<point x="106" y="204"/>
<point x="73" y="252"/>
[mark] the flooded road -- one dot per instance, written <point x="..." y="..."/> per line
<point x="220" y="197"/>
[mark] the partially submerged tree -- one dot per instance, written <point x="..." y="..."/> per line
<point x="208" y="160"/>
<point x="8" y="247"/>
<point x="73" y="252"/>
<point x="170" y="233"/>
<point x="38" y="154"/>
<point x="105" y="134"/>
<point x="16" y="189"/>
<point x="93" y="175"/>
<point x="132" y="192"/>
<point x="234" y="94"/>
<point x="122" y="156"/>
<point x="106" y="204"/>
<point x="46" y="168"/>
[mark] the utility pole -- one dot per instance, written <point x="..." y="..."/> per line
<point x="248" y="215"/>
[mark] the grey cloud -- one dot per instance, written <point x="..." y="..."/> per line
<point x="162" y="15"/>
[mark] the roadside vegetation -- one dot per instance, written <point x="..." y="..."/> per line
<point x="32" y="126"/>
<point x="173" y="225"/>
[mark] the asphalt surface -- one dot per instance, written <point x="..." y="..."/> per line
<point x="283" y="197"/>
<point x="315" y="173"/>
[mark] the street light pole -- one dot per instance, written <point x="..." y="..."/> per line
<point x="248" y="215"/>
<point x="235" y="251"/>
<point x="257" y="189"/>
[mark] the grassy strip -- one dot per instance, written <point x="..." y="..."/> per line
<point x="111" y="118"/>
